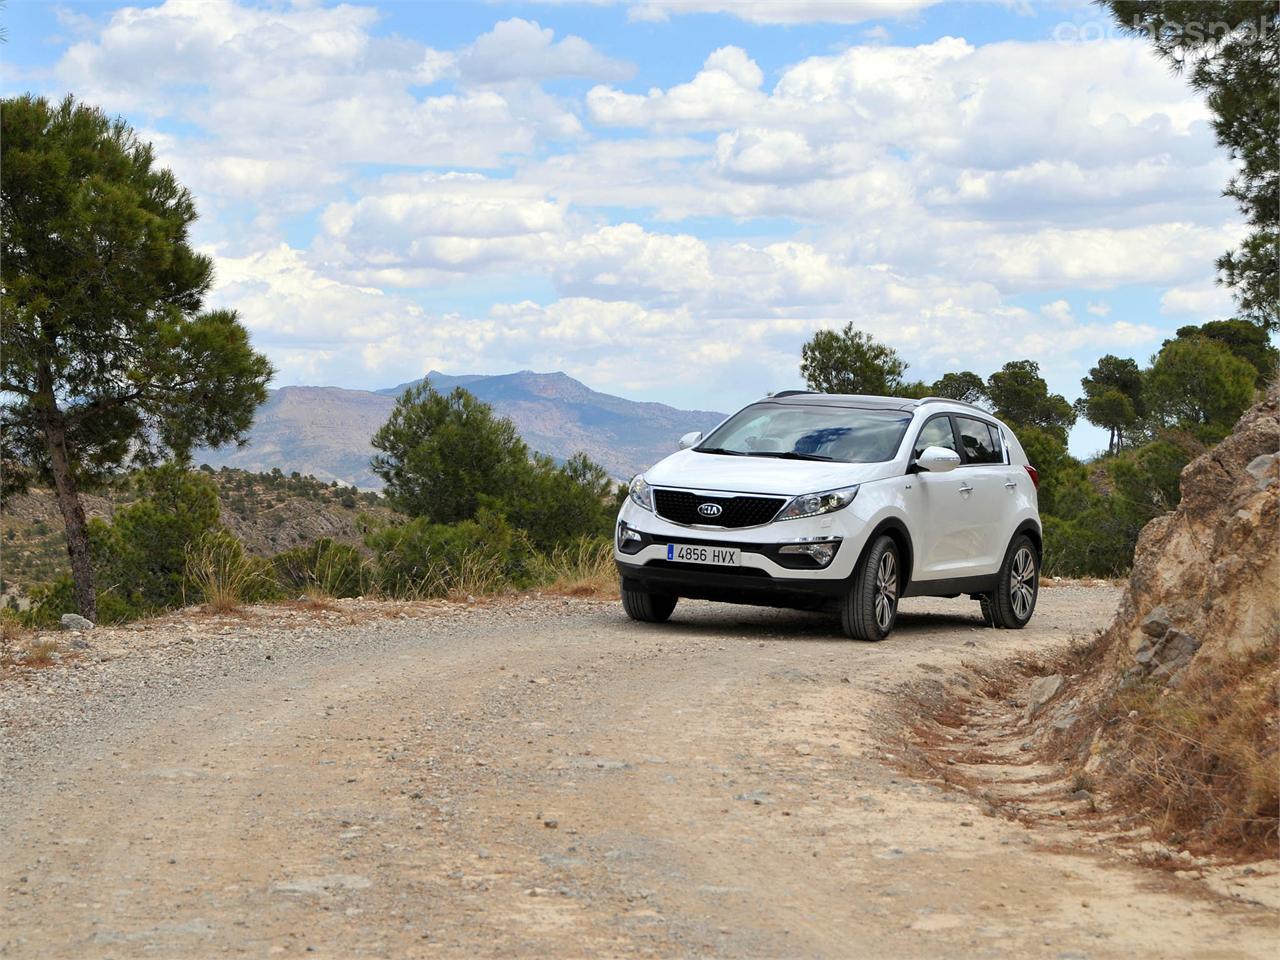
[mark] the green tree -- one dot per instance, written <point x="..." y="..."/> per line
<point x="108" y="359"/>
<point x="851" y="361"/>
<point x="1229" y="50"/>
<point x="1198" y="382"/>
<point x="965" y="386"/>
<point x="1020" y="396"/>
<point x="556" y="504"/>
<point x="1112" y="398"/>
<point x="442" y="453"/>
<point x="1246" y="340"/>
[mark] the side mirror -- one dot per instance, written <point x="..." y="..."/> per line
<point x="689" y="439"/>
<point x="938" y="460"/>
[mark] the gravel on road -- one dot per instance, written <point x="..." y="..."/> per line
<point x="536" y="776"/>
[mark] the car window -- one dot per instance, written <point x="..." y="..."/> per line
<point x="936" y="433"/>
<point x="803" y="431"/>
<point x="979" y="445"/>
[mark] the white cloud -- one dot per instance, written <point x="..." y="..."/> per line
<point x="286" y="97"/>
<point x="309" y="324"/>
<point x="519" y="49"/>
<point x="407" y="230"/>
<point x="1201" y="301"/>
<point x="781" y="11"/>
<point x="1099" y="308"/>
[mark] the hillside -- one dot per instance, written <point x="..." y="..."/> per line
<point x="268" y="512"/>
<point x="325" y="431"/>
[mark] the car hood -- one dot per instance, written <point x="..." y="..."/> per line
<point x="709" y="471"/>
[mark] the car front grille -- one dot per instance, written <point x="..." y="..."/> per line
<point x="681" y="506"/>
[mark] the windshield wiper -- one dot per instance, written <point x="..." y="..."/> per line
<point x="794" y="455"/>
<point x="720" y="450"/>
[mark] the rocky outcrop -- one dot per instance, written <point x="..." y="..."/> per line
<point x="1207" y="576"/>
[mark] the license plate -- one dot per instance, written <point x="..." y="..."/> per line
<point x="716" y="556"/>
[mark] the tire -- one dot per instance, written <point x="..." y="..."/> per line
<point x="647" y="607"/>
<point x="1017" y="587"/>
<point x="870" y="608"/>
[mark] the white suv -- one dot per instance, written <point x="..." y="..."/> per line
<point x="842" y="502"/>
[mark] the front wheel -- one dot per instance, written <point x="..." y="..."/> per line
<point x="1017" y="586"/>
<point x="870" y="607"/>
<point x="647" y="607"/>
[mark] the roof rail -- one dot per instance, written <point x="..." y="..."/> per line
<point x="791" y="393"/>
<point x="963" y="403"/>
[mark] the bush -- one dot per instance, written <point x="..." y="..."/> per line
<point x="325" y="567"/>
<point x="421" y="559"/>
<point x="140" y="556"/>
<point x="583" y="568"/>
<point x="1202" y="761"/>
<point x="560" y="505"/>
<point x="223" y="576"/>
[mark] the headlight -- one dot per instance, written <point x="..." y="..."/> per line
<point x="813" y="504"/>
<point x="640" y="492"/>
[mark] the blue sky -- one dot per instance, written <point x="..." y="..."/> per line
<point x="665" y="199"/>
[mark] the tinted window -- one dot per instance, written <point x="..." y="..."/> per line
<point x="936" y="433"/>
<point x="979" y="445"/>
<point x="846" y="434"/>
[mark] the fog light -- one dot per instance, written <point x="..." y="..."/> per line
<point x="822" y="552"/>
<point x="626" y="536"/>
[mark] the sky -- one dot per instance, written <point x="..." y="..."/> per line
<point x="665" y="199"/>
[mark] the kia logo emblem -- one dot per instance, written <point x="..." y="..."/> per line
<point x="710" y="509"/>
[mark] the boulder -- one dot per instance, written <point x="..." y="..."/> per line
<point x="1042" y="691"/>
<point x="73" y="621"/>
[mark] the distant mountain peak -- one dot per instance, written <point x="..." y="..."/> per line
<point x="325" y="431"/>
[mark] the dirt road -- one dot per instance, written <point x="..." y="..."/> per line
<point x="544" y="778"/>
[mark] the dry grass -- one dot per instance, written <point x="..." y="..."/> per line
<point x="38" y="653"/>
<point x="221" y="573"/>
<point x="1204" y="759"/>
<point x="583" y="569"/>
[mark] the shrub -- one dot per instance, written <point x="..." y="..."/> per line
<point x="140" y="557"/>
<point x="583" y="568"/>
<point x="422" y="559"/>
<point x="223" y="576"/>
<point x="1203" y="756"/>
<point x="325" y="567"/>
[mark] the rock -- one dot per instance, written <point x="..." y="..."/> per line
<point x="321" y="885"/>
<point x="1063" y="724"/>
<point x="1263" y="469"/>
<point x="79" y="643"/>
<point x="73" y="621"/>
<point x="1082" y="795"/>
<point x="1042" y="691"/>
<point x="1156" y="623"/>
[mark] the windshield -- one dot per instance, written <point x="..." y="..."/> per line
<point x="799" y="432"/>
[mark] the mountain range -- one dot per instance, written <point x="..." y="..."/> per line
<point x="325" y="431"/>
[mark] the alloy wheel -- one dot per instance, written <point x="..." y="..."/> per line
<point x="1022" y="575"/>
<point x="886" y="590"/>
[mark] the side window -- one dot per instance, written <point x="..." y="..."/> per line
<point x="935" y="433"/>
<point x="997" y="443"/>
<point x="980" y="446"/>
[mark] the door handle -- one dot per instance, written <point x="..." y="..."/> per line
<point x="1011" y="484"/>
<point x="965" y="488"/>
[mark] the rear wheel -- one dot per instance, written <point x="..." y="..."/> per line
<point x="647" y="607"/>
<point x="870" y="608"/>
<point x="1017" y="586"/>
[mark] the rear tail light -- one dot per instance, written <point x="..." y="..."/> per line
<point x="1035" y="477"/>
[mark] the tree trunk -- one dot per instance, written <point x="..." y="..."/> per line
<point x="73" y="518"/>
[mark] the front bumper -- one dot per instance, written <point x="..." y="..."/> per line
<point x="765" y="577"/>
<point x="729" y="584"/>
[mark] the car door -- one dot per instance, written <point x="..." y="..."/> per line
<point x="941" y="507"/>
<point x="984" y="472"/>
